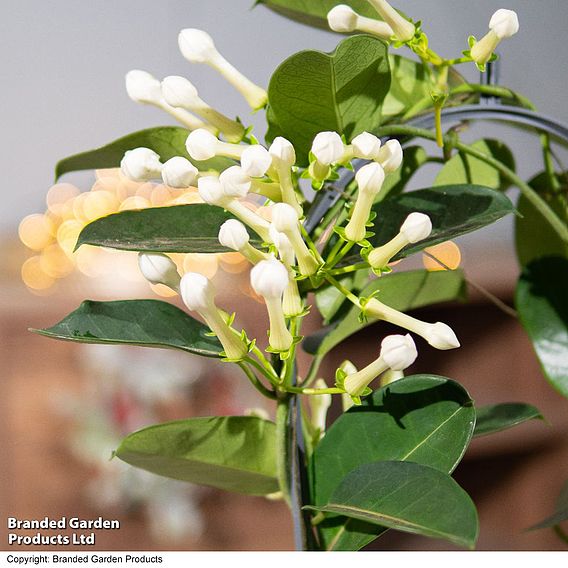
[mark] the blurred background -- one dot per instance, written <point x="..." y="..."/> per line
<point x="64" y="407"/>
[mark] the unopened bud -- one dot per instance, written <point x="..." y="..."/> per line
<point x="503" y="24"/>
<point x="256" y="160"/>
<point x="328" y="148"/>
<point x="366" y="146"/>
<point x="141" y="164"/>
<point x="390" y="156"/>
<point x="202" y="145"/>
<point x="402" y="28"/>
<point x="179" y="172"/>
<point x="235" y="182"/>
<point x="344" y="19"/>
<point x="158" y="268"/>
<point x="233" y="235"/>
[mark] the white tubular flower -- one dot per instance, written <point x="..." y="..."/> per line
<point x="344" y="19"/>
<point x="181" y="93"/>
<point x="438" y="335"/>
<point x="269" y="279"/>
<point x="198" y="295"/>
<point x="370" y="179"/>
<point x="328" y="148"/>
<point x="390" y="376"/>
<point x="197" y="46"/>
<point x="390" y="156"/>
<point x="503" y="24"/>
<point x="179" y="172"/>
<point x="158" y="268"/>
<point x="283" y="158"/>
<point x="202" y="145"/>
<point x="366" y="146"/>
<point x="144" y="88"/>
<point x="285" y="220"/>
<point x="235" y="182"/>
<point x="291" y="302"/>
<point x="233" y="235"/>
<point x="141" y="164"/>
<point x="397" y="352"/>
<point x="319" y="405"/>
<point x="348" y="368"/>
<point x="416" y="227"/>
<point x="402" y="28"/>
<point x="255" y="160"/>
<point x="211" y="191"/>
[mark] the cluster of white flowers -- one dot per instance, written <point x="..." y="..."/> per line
<point x="279" y="250"/>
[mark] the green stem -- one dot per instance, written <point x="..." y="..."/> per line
<point x="350" y="268"/>
<point x="549" y="162"/>
<point x="256" y="383"/>
<point x="333" y="252"/>
<point x="313" y="392"/>
<point x="311" y="244"/>
<point x="347" y="293"/>
<point x="345" y="249"/>
<point x="529" y="193"/>
<point x="269" y="374"/>
<point x="283" y="446"/>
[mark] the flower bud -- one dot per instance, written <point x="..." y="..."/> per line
<point x="390" y="156"/>
<point x="416" y="227"/>
<point x="256" y="160"/>
<point x="285" y="220"/>
<point x="235" y="182"/>
<point x="141" y="164"/>
<point x="348" y="368"/>
<point x="269" y="279"/>
<point x="344" y="19"/>
<point x="198" y="295"/>
<point x="283" y="151"/>
<point x="370" y="180"/>
<point x="319" y="405"/>
<point x="503" y="24"/>
<point x="158" y="268"/>
<point x="197" y="46"/>
<point x="402" y="28"/>
<point x="233" y="235"/>
<point x="366" y="146"/>
<point x="438" y="335"/>
<point x="283" y="158"/>
<point x="328" y="148"/>
<point x="179" y="172"/>
<point x="202" y="145"/>
<point x="211" y="191"/>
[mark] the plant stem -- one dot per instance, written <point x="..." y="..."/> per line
<point x="350" y="268"/>
<point x="256" y="383"/>
<point x="270" y="375"/>
<point x="347" y="293"/>
<point x="283" y="445"/>
<point x="530" y="194"/>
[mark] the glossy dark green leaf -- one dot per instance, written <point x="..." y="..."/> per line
<point x="314" y="12"/>
<point x="414" y="158"/>
<point x="149" y="323"/>
<point x="542" y="303"/>
<point x="235" y="453"/>
<point x="465" y="168"/>
<point x="560" y="514"/>
<point x="422" y="418"/>
<point x="408" y="497"/>
<point x="403" y="291"/>
<point x="167" y="141"/>
<point x="534" y="237"/>
<point x="179" y="228"/>
<point x="312" y="91"/>
<point x="453" y="209"/>
<point x="498" y="417"/>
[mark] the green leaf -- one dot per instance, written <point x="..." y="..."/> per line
<point x="235" y="453"/>
<point x="414" y="158"/>
<point x="464" y="168"/>
<point x="408" y="497"/>
<point x="314" y="12"/>
<point x="403" y="291"/>
<point x="534" y="237"/>
<point x="313" y="91"/>
<point x="423" y="418"/>
<point x="542" y="304"/>
<point x="453" y="209"/>
<point x="560" y="512"/>
<point x="179" y="228"/>
<point x="149" y="323"/>
<point x="498" y="417"/>
<point x="167" y="141"/>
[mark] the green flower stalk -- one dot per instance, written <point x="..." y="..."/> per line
<point x="269" y="279"/>
<point x="179" y="92"/>
<point x="370" y="179"/>
<point x="415" y="228"/>
<point x="158" y="268"/>
<point x="438" y="335"/>
<point x="233" y="235"/>
<point x="198" y="294"/>
<point x="402" y="28"/>
<point x="397" y="353"/>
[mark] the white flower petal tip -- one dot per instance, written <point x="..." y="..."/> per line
<point x="283" y="151"/>
<point x="342" y="19"/>
<point x="256" y="160"/>
<point x="328" y="148"/>
<point x="366" y="146"/>
<point x="441" y="336"/>
<point x="235" y="182"/>
<point x="390" y="156"/>
<point x="178" y="172"/>
<point x="284" y="217"/>
<point x="179" y="92"/>
<point x="269" y="278"/>
<point x="398" y="351"/>
<point x="233" y="235"/>
<point x="142" y="87"/>
<point x="197" y="46"/>
<point x="159" y="269"/>
<point x="197" y="292"/>
<point x="201" y="144"/>
<point x="416" y="227"/>
<point x="210" y="190"/>
<point x="504" y="23"/>
<point x="141" y="164"/>
<point x="370" y="178"/>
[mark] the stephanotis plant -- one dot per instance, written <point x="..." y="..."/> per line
<point x="340" y="149"/>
